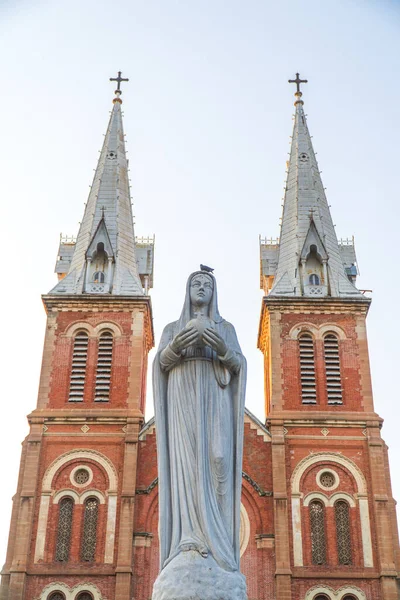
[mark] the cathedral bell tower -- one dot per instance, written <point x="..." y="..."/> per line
<point x="334" y="514"/>
<point x="73" y="512"/>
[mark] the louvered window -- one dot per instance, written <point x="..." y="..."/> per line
<point x="318" y="543"/>
<point x="78" y="370"/>
<point x="343" y="537"/>
<point x="89" y="538"/>
<point x="307" y="369"/>
<point x="103" y="371"/>
<point x="84" y="596"/>
<point x="332" y="368"/>
<point x="56" y="596"/>
<point x="63" y="543"/>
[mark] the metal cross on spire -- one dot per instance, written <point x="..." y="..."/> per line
<point x="118" y="80"/>
<point x="297" y="81"/>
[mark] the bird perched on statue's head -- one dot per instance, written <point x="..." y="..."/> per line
<point x="206" y="269"/>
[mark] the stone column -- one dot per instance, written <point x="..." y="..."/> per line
<point x="109" y="272"/>
<point x="24" y="507"/>
<point x="125" y="534"/>
<point x="381" y="496"/>
<point x="87" y="275"/>
<point x="281" y="514"/>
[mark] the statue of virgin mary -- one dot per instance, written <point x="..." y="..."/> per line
<point x="199" y="379"/>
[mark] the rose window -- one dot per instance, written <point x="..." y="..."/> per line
<point x="81" y="476"/>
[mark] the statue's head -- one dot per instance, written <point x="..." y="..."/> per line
<point x="201" y="289"/>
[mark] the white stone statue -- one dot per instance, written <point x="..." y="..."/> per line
<point x="199" y="379"/>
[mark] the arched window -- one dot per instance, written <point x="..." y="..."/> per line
<point x="317" y="525"/>
<point x="63" y="544"/>
<point x="307" y="369"/>
<point x="343" y="536"/>
<point x="332" y="369"/>
<point x="84" y="596"/>
<point x="103" y="371"/>
<point x="314" y="279"/>
<point x="99" y="277"/>
<point x="56" y="596"/>
<point x="89" y="537"/>
<point x="321" y="597"/>
<point x="78" y="369"/>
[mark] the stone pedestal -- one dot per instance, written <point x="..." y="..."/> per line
<point x="190" y="576"/>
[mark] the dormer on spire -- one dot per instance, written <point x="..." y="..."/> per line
<point x="308" y="261"/>
<point x="99" y="261"/>
<point x="105" y="260"/>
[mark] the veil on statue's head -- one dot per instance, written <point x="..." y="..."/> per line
<point x="213" y="309"/>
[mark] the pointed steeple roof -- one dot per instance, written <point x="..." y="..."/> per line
<point x="108" y="210"/>
<point x="306" y="216"/>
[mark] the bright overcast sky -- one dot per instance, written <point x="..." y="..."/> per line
<point x="208" y="115"/>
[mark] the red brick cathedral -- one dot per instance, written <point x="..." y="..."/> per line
<point x="318" y="518"/>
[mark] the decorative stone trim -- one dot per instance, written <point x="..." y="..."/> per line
<point x="58" y="496"/>
<point x="92" y="331"/>
<point x="347" y="463"/>
<point x="70" y="593"/>
<point x="72" y="329"/>
<point x="142" y="539"/>
<point x="302" y="328"/>
<point x="147" y="429"/>
<point x="316" y="496"/>
<point x="148" y="489"/>
<point x="335" y="475"/>
<point x="255" y="485"/>
<point x="323" y="330"/>
<point x="335" y="594"/>
<point x="78" y="468"/>
<point x="244" y="535"/>
<point x="79" y="498"/>
<point x="108" y="326"/>
<point x="92" y="493"/>
<point x="256" y="425"/>
<point x="317" y="332"/>
<point x="329" y="501"/>
<point x="342" y="496"/>
<point x="265" y="541"/>
<point x="321" y="457"/>
<point x="82" y="454"/>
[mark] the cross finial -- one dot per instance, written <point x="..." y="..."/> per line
<point x="298" y="81"/>
<point x="118" y="79"/>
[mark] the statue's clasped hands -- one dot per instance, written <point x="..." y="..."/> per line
<point x="215" y="341"/>
<point x="188" y="336"/>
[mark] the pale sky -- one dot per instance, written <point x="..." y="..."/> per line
<point x="208" y="115"/>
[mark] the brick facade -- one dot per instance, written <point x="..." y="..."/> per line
<point x="281" y="466"/>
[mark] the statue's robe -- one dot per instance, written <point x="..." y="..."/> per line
<point x="199" y="411"/>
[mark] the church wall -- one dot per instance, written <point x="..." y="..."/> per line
<point x="77" y="433"/>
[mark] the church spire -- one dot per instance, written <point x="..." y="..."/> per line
<point x="104" y="258"/>
<point x="310" y="259"/>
